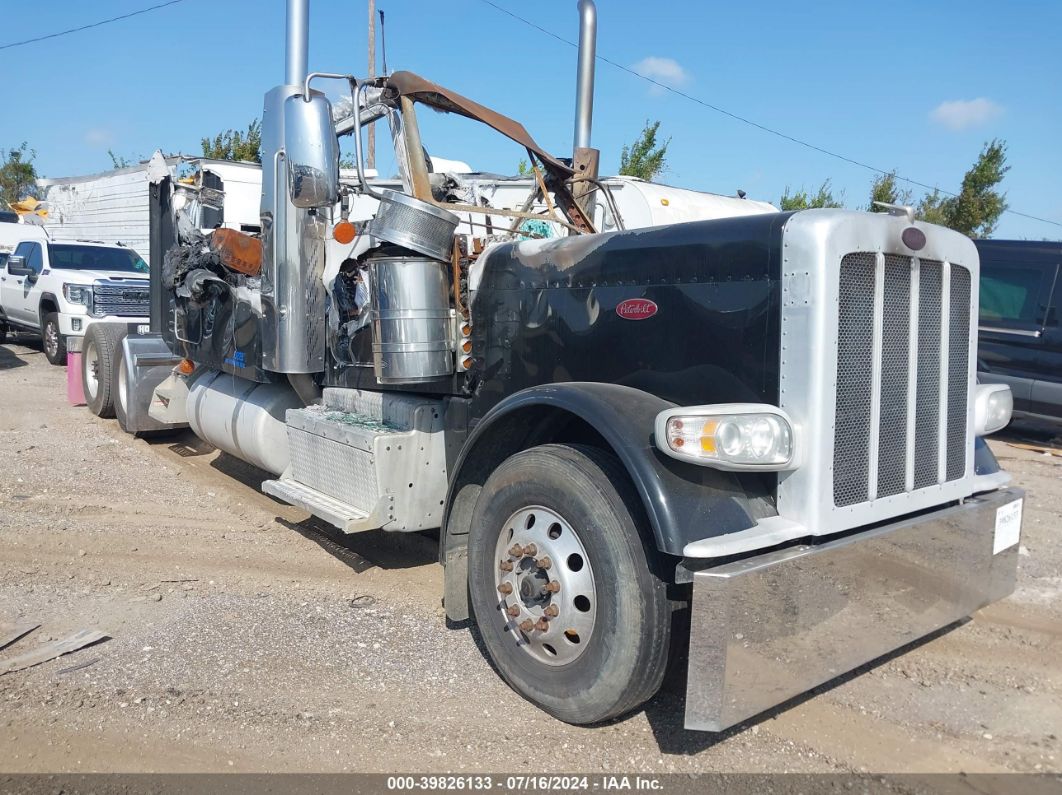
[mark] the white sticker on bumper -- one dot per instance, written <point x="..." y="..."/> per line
<point x="1008" y="526"/>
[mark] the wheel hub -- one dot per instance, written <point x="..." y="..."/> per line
<point x="546" y="586"/>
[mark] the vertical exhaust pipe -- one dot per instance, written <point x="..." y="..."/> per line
<point x="584" y="83"/>
<point x="298" y="43"/>
<point x="584" y="158"/>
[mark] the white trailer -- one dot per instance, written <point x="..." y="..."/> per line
<point x="112" y="207"/>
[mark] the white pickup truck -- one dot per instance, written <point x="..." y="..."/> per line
<point x="58" y="289"/>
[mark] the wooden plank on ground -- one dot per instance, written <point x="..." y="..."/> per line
<point x="9" y="633"/>
<point x="51" y="650"/>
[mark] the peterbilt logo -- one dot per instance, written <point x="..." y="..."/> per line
<point x="135" y="295"/>
<point x="636" y="309"/>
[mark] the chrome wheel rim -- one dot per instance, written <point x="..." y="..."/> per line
<point x="545" y="585"/>
<point x="122" y="388"/>
<point x="92" y="369"/>
<point x="51" y="340"/>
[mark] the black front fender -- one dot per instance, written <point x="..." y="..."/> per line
<point x="683" y="502"/>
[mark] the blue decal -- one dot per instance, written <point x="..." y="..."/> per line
<point x="236" y="360"/>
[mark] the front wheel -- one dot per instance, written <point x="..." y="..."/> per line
<point x="54" y="343"/>
<point x="561" y="585"/>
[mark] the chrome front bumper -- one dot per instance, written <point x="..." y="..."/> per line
<point x="768" y="628"/>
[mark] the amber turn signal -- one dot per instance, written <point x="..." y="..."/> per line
<point x="344" y="232"/>
<point x="186" y="367"/>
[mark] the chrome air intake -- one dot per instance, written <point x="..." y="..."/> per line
<point x="414" y="224"/>
<point x="411" y="319"/>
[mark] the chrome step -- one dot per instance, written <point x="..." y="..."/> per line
<point x="346" y="517"/>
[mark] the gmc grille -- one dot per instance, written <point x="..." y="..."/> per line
<point x="903" y="384"/>
<point x="130" y="299"/>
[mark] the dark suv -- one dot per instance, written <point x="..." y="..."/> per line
<point x="1021" y="339"/>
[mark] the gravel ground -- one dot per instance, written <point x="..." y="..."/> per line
<point x="247" y="637"/>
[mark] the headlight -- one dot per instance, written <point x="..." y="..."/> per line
<point x="736" y="436"/>
<point x="993" y="405"/>
<point x="78" y="293"/>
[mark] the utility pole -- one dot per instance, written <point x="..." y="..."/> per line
<point x="370" y="160"/>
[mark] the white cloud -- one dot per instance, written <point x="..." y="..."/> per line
<point x="98" y="136"/>
<point x="961" y="114"/>
<point x="666" y="71"/>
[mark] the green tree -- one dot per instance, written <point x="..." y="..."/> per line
<point x="644" y="158"/>
<point x="236" y="145"/>
<point x="802" y="200"/>
<point x="976" y="209"/>
<point x="522" y="168"/>
<point x="884" y="189"/>
<point x="935" y="209"/>
<point x="121" y="161"/>
<point x="18" y="176"/>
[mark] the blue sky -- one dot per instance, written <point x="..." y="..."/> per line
<point x="914" y="86"/>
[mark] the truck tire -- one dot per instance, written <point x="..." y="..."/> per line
<point x="100" y="353"/>
<point x="3" y="332"/>
<point x="585" y="634"/>
<point x="52" y="341"/>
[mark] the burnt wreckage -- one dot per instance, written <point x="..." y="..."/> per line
<point x="762" y="428"/>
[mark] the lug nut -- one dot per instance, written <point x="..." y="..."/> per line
<point x="553" y="586"/>
<point x="513" y="610"/>
<point x="552" y="611"/>
<point x="505" y="588"/>
<point x="531" y="549"/>
<point x="506" y="565"/>
<point x="527" y="625"/>
<point x="516" y="550"/>
<point x="544" y="562"/>
<point x="542" y="625"/>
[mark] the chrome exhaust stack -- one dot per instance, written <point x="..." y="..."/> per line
<point x="293" y="237"/>
<point x="298" y="43"/>
<point x="584" y="158"/>
<point x="584" y="81"/>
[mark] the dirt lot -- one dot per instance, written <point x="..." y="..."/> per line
<point x="246" y="638"/>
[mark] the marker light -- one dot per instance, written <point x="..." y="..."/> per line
<point x="344" y="232"/>
<point x="733" y="436"/>
<point x="993" y="405"/>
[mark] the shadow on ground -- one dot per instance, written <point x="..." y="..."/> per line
<point x="371" y="548"/>
<point x="15" y="352"/>
<point x="1038" y="433"/>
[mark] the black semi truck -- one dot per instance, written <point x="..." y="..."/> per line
<point x="763" y="429"/>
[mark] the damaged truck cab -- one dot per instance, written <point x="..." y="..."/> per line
<point x="762" y="428"/>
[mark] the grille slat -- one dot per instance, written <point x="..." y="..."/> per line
<point x="958" y="372"/>
<point x="895" y="351"/>
<point x="855" y="346"/>
<point x="854" y="420"/>
<point x="927" y="402"/>
<point x="129" y="300"/>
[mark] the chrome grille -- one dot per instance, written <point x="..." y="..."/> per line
<point x="927" y="402"/>
<point x="958" y="364"/>
<point x="895" y="365"/>
<point x="127" y="299"/>
<point x="890" y="381"/>
<point x="855" y="341"/>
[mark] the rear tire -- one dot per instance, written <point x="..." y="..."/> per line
<point x="100" y="353"/>
<point x="52" y="341"/>
<point x="619" y="615"/>
<point x="3" y="333"/>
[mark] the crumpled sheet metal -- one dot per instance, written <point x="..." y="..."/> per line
<point x="433" y="95"/>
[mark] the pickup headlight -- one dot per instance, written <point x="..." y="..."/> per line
<point x="733" y="436"/>
<point x="78" y="293"/>
<point x="993" y="405"/>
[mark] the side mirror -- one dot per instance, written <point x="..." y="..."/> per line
<point x="312" y="151"/>
<point x="16" y="266"/>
